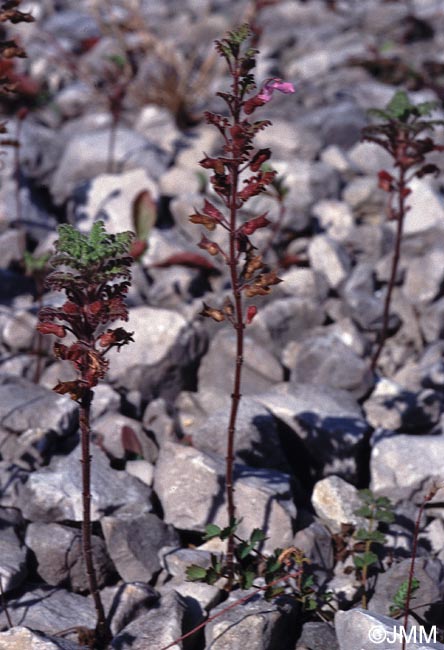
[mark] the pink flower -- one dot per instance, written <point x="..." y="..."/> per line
<point x="275" y="84"/>
<point x="266" y="93"/>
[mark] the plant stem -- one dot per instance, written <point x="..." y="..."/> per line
<point x="425" y="500"/>
<point x="364" y="573"/>
<point x="239" y="328"/>
<point x="103" y="633"/>
<point x="400" y="214"/>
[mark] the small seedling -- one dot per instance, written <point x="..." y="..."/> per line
<point x="377" y="510"/>
<point x="400" y="132"/>
<point x="94" y="272"/>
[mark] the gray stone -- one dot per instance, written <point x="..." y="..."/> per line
<point x="303" y="283"/>
<point x="159" y="627"/>
<point x="157" y="124"/>
<point x="260" y="369"/>
<point x="360" y="190"/>
<point x="12" y="478"/>
<point x="133" y="542"/>
<point x="324" y="360"/>
<point x="335" y="217"/>
<point x="110" y="430"/>
<point x="431" y="321"/>
<point x="106" y="400"/>
<point x="25" y="406"/>
<point x="164" y="344"/>
<point x="426" y="208"/>
<point x="20" y="638"/>
<point x="405" y="461"/>
<point x="391" y="407"/>
<point x="327" y="256"/>
<point x="157" y="420"/>
<point x="72" y="100"/>
<point x="54" y="493"/>
<point x="12" y="246"/>
<point x="316" y="543"/>
<point x="364" y="306"/>
<point x="127" y="601"/>
<point x="424" y="277"/>
<point x="39" y="150"/>
<point x="50" y="610"/>
<point x="369" y="158"/>
<point x="337" y="158"/>
<point x="59" y="555"/>
<point x="358" y="628"/>
<point x="257" y="440"/>
<point x="255" y="623"/>
<point x="335" y="502"/>
<point x="190" y="486"/>
<point x="111" y="197"/>
<point x="12" y="559"/>
<point x="284" y="320"/>
<point x="309" y="182"/>
<point x="141" y="469"/>
<point x="317" y="636"/>
<point x="86" y="156"/>
<point x="327" y="420"/>
<point x="176" y="561"/>
<point x="199" y="597"/>
<point x="429" y="572"/>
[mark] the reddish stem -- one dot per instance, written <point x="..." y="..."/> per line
<point x="425" y="500"/>
<point x="239" y="328"/>
<point x="103" y="633"/>
<point x="400" y="214"/>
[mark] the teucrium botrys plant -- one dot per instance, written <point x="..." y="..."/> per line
<point x="94" y="272"/>
<point x="237" y="176"/>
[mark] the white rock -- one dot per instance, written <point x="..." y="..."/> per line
<point x="335" y="501"/>
<point x="426" y="208"/>
<point x="326" y="255"/>
<point x="115" y="194"/>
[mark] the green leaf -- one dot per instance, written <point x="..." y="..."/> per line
<point x="211" y="530"/>
<point x="118" y="59"/>
<point x="370" y="535"/>
<point x="196" y="573"/>
<point x="383" y="502"/>
<point x="400" y="598"/>
<point x="244" y="550"/>
<point x="364" y="511"/>
<point x="257" y="536"/>
<point x="384" y="516"/>
<point x="310" y="604"/>
<point x="399" y="106"/>
<point x="366" y="559"/>
<point x="248" y="579"/>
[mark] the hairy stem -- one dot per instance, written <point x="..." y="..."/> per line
<point x="400" y="214"/>
<point x="364" y="573"/>
<point x="426" y="499"/>
<point x="103" y="632"/>
<point x="239" y="328"/>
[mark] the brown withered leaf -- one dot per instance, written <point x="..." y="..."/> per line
<point x="252" y="290"/>
<point x="211" y="312"/>
<point x="201" y="219"/>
